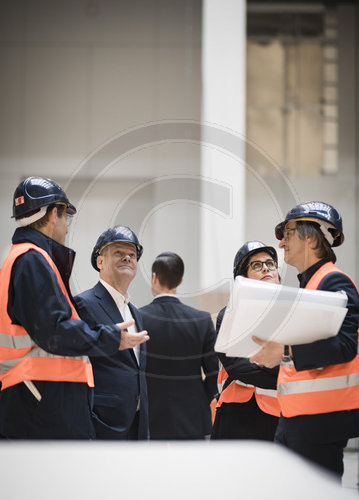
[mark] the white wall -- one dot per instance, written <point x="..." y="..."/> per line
<point x="223" y="106"/>
<point x="76" y="76"/>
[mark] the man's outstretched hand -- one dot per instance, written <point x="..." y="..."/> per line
<point x="128" y="339"/>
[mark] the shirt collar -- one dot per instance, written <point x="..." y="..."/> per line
<point x="305" y="276"/>
<point x="165" y="295"/>
<point x="115" y="294"/>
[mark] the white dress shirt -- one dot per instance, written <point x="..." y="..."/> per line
<point x="122" y="304"/>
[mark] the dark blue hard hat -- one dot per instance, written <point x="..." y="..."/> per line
<point x="36" y="192"/>
<point x="113" y="235"/>
<point x="323" y="214"/>
<point x="246" y="251"/>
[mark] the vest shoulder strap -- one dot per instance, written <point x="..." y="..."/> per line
<point x="21" y="248"/>
<point x="322" y="272"/>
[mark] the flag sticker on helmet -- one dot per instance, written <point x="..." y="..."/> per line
<point x="19" y="201"/>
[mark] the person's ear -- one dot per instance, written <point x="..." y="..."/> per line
<point x="312" y="242"/>
<point x="52" y="217"/>
<point x="99" y="261"/>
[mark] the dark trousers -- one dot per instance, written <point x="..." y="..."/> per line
<point x="243" y="421"/>
<point x="311" y="438"/>
<point x="62" y="413"/>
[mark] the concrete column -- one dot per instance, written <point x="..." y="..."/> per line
<point x="223" y="105"/>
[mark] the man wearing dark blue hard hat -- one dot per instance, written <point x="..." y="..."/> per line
<point x="120" y="409"/>
<point x="45" y="372"/>
<point x="318" y="383"/>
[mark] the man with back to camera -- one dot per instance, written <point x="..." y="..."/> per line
<point x="318" y="383"/>
<point x="181" y="345"/>
<point x="120" y="409"/>
<point x="44" y="369"/>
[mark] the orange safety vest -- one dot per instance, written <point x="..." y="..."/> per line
<point x="320" y="390"/>
<point x="20" y="358"/>
<point x="238" y="392"/>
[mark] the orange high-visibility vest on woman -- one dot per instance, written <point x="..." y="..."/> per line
<point x="20" y="358"/>
<point x="319" y="390"/>
<point x="238" y="392"/>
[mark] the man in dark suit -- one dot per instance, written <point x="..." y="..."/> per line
<point x="181" y="346"/>
<point x="120" y="407"/>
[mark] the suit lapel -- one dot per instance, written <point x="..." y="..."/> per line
<point x="136" y="316"/>
<point x="110" y="308"/>
<point x="138" y="320"/>
<point x="107" y="303"/>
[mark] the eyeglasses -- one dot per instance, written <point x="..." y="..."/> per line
<point x="257" y="265"/>
<point x="69" y="219"/>
<point x="68" y="216"/>
<point x="287" y="231"/>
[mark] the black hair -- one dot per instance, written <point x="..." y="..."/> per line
<point x="169" y="269"/>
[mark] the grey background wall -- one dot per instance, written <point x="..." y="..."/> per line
<point x="78" y="74"/>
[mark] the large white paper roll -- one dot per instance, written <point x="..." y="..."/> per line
<point x="279" y="313"/>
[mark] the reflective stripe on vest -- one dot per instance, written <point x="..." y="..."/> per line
<point x="238" y="392"/>
<point x="267" y="401"/>
<point x="20" y="358"/>
<point x="320" y="390"/>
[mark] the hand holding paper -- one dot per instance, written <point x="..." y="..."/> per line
<point x="270" y="355"/>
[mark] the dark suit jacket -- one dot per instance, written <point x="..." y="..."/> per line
<point x="119" y="381"/>
<point x="181" y="345"/>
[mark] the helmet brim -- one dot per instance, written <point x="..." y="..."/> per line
<point x="70" y="209"/>
<point x="279" y="230"/>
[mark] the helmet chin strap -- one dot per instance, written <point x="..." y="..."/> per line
<point x="26" y="221"/>
<point x="324" y="227"/>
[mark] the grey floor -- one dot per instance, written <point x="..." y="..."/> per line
<point x="180" y="468"/>
<point x="350" y="477"/>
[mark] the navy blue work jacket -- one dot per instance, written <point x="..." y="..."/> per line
<point x="36" y="302"/>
